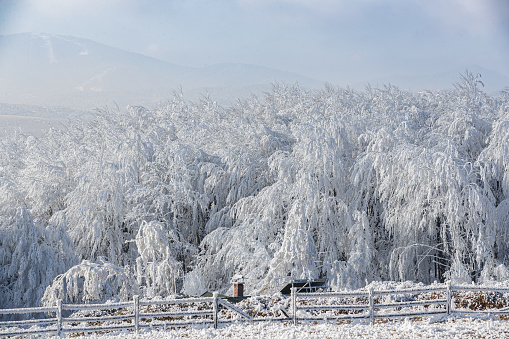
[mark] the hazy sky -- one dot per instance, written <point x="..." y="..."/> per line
<point x="339" y="41"/>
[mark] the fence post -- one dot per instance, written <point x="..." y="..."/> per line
<point x="371" y="307"/>
<point x="137" y="314"/>
<point x="294" y="305"/>
<point x="59" y="318"/>
<point x="214" y="307"/>
<point x="449" y="297"/>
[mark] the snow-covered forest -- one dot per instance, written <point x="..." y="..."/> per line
<point x="353" y="186"/>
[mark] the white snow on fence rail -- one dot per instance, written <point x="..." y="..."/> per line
<point x="412" y="290"/>
<point x="176" y="314"/>
<point x="333" y="294"/>
<point x="27" y="310"/>
<point x="480" y="289"/>
<point x="176" y="301"/>
<point x="235" y="309"/>
<point x="372" y="309"/>
<point x="408" y="314"/>
<point x="334" y="307"/>
<point x="28" y="322"/>
<point x="108" y="306"/>
<point x="100" y="318"/>
<point x="134" y="319"/>
<point x="413" y="303"/>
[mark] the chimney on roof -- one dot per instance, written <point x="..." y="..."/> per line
<point x="238" y="289"/>
<point x="238" y="285"/>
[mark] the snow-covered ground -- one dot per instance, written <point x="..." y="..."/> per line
<point x="265" y="308"/>
<point x="449" y="328"/>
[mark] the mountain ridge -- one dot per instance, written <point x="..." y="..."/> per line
<point x="82" y="74"/>
<point x="46" y="69"/>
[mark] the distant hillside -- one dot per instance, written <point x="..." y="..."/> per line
<point x="68" y="71"/>
<point x="51" y="70"/>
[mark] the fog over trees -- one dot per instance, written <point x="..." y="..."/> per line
<point x="353" y="186"/>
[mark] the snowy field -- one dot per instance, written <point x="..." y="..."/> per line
<point x="450" y="328"/>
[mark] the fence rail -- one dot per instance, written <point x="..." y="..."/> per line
<point x="130" y="316"/>
<point x="371" y="310"/>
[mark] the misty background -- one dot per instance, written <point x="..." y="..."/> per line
<point x="59" y="58"/>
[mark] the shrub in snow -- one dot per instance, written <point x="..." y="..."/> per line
<point x="91" y="282"/>
<point x="458" y="273"/>
<point x="193" y="285"/>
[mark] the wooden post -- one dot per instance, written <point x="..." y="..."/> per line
<point x="449" y="298"/>
<point x="137" y="314"/>
<point x="371" y="307"/>
<point x="294" y="305"/>
<point x="59" y="318"/>
<point x="214" y="307"/>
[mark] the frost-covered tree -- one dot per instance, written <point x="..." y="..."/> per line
<point x="157" y="266"/>
<point x="31" y="256"/>
<point x="91" y="282"/>
<point x="334" y="183"/>
<point x="297" y="255"/>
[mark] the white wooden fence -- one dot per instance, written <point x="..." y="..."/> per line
<point x="318" y="306"/>
<point x="129" y="317"/>
<point x="138" y="314"/>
